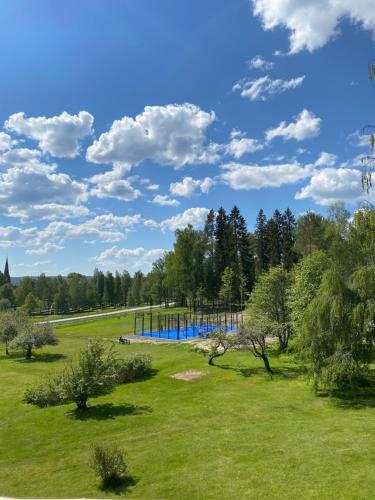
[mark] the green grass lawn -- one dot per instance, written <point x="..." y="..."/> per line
<point x="232" y="434"/>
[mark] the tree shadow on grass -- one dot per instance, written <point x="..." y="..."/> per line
<point x="152" y="372"/>
<point x="355" y="398"/>
<point x="108" y="411"/>
<point x="118" y="485"/>
<point x="285" y="372"/>
<point x="42" y="358"/>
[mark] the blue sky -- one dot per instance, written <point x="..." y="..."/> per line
<point x="124" y="120"/>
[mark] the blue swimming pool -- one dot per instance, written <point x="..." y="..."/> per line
<point x="184" y="333"/>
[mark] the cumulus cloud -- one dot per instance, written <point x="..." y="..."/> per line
<point x="305" y="126"/>
<point x="326" y="160"/>
<point x="246" y="177"/>
<point x="33" y="190"/>
<point x="238" y="147"/>
<point x="165" y="200"/>
<point x="132" y="259"/>
<point x="264" y="87"/>
<point x="44" y="249"/>
<point x="312" y="23"/>
<point x="195" y="216"/>
<point x="59" y="136"/>
<point x="5" y="142"/>
<point x="333" y="184"/>
<point x="120" y="189"/>
<point x="188" y="186"/>
<point x="169" y="135"/>
<point x="258" y="62"/>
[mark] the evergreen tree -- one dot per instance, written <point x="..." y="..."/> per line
<point x="288" y="255"/>
<point x="222" y="244"/>
<point x="117" y="289"/>
<point x="261" y="254"/>
<point x="274" y="239"/>
<point x="210" y="282"/>
<point x="99" y="283"/>
<point x="109" y="289"/>
<point x="125" y="286"/>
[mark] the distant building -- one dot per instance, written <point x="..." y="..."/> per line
<point x="6" y="271"/>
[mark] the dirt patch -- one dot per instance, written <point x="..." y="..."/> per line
<point x="189" y="375"/>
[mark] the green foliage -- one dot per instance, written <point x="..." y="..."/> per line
<point x="268" y="303"/>
<point x="306" y="279"/>
<point x="136" y="365"/>
<point x="342" y="372"/>
<point x="338" y="329"/>
<point x="108" y="462"/>
<point x="310" y="233"/>
<point x="220" y="343"/>
<point x="255" y="335"/>
<point x="31" y="304"/>
<point x="5" y="305"/>
<point x="47" y="393"/>
<point x="32" y="335"/>
<point x="10" y="322"/>
<point x="93" y="374"/>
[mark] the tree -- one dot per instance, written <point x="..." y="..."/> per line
<point x="117" y="293"/>
<point x="9" y="326"/>
<point x="228" y="286"/>
<point x="99" y="279"/>
<point x="6" y="292"/>
<point x="134" y="294"/>
<point x="268" y="303"/>
<point x="220" y="343"/>
<point x="31" y="304"/>
<point x="24" y="287"/>
<point x="210" y="281"/>
<point x="109" y="289"/>
<point x="125" y="286"/>
<point x="338" y="329"/>
<point x="31" y="335"/>
<point x="77" y="287"/>
<point x="6" y="272"/>
<point x="310" y="233"/>
<point x="306" y="280"/>
<point x="93" y="374"/>
<point x="254" y="336"/>
<point x="274" y="239"/>
<point x="61" y="299"/>
<point x="288" y="255"/>
<point x="261" y="243"/>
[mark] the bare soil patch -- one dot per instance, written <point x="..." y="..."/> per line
<point x="189" y="375"/>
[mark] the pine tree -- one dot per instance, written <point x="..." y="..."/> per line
<point x="274" y="239"/>
<point x="210" y="282"/>
<point x="222" y="237"/>
<point x="261" y="263"/>
<point x="288" y="255"/>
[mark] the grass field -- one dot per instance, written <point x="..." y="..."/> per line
<point x="232" y="434"/>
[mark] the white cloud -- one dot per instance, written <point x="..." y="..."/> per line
<point x="11" y="236"/>
<point x="246" y="177"/>
<point x="44" y="249"/>
<point x="188" y="186"/>
<point x="258" y="62"/>
<point x="334" y="184"/>
<point x="153" y="187"/>
<point x="165" y="200"/>
<point x="131" y="259"/>
<point x="313" y="23"/>
<point x="326" y="160"/>
<point x="120" y="189"/>
<point x="242" y="146"/>
<point x="59" y="135"/>
<point x="5" y="142"/>
<point x="34" y="190"/>
<point x="264" y="87"/>
<point x="305" y="126"/>
<point x="195" y="216"/>
<point x="168" y="135"/>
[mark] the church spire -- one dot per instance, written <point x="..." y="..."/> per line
<point x="6" y="271"/>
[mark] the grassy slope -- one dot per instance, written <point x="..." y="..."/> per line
<point x="232" y="434"/>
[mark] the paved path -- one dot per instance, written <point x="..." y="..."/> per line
<point x="101" y="315"/>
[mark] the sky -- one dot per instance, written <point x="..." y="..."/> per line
<point x="122" y="121"/>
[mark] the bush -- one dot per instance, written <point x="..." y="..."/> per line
<point x="132" y="367"/>
<point x="108" y="462"/>
<point x="342" y="372"/>
<point x="47" y="393"/>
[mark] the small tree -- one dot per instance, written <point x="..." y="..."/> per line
<point x="108" y="462"/>
<point x="9" y="324"/>
<point x="93" y="374"/>
<point x="228" y="282"/>
<point x="31" y="304"/>
<point x="268" y="303"/>
<point x="254" y="336"/>
<point x="32" y="335"/>
<point x="220" y="343"/>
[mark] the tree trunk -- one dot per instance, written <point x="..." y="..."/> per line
<point x="266" y="363"/>
<point x="82" y="404"/>
<point x="6" y="350"/>
<point x="28" y="352"/>
<point x="211" y="361"/>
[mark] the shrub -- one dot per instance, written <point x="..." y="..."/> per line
<point x="132" y="367"/>
<point x="342" y="372"/>
<point x="47" y="393"/>
<point x="108" y="462"/>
